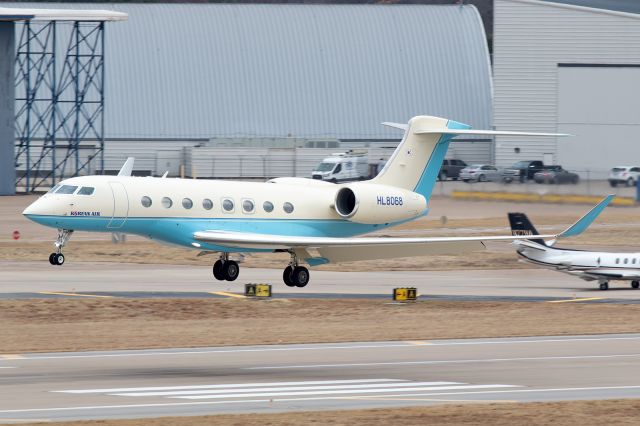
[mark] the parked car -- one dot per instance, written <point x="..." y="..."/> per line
<point x="555" y="174"/>
<point x="522" y="171"/>
<point x="451" y="169"/>
<point x="479" y="173"/>
<point x="627" y="175"/>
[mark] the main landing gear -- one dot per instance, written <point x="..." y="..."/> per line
<point x="604" y="285"/>
<point x="225" y="269"/>
<point x="635" y="284"/>
<point x="57" y="258"/>
<point x="295" y="275"/>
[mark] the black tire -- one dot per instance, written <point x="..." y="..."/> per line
<point x="482" y="178"/>
<point x="613" y="183"/>
<point x="51" y="258"/>
<point x="466" y="180"/>
<point x="630" y="182"/>
<point x="333" y="180"/>
<point x="218" y="273"/>
<point x="231" y="270"/>
<point x="604" y="286"/>
<point x="455" y="178"/>
<point x="442" y="176"/>
<point x="635" y="284"/>
<point x="300" y="276"/>
<point x="58" y="259"/>
<point x="286" y="276"/>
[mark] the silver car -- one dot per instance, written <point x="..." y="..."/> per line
<point x="624" y="175"/>
<point x="479" y="173"/>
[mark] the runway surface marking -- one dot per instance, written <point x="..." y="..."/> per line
<point x="319" y="398"/>
<point x="57" y="293"/>
<point x="11" y="356"/>
<point x="304" y="388"/>
<point x="293" y="348"/>
<point x="584" y="299"/>
<point x="224" y="293"/>
<point x="419" y="342"/>
<point x="456" y="361"/>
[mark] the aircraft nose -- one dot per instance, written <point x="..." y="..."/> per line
<point x="35" y="208"/>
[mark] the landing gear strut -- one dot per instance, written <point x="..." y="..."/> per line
<point x="57" y="258"/>
<point x="295" y="275"/>
<point x="604" y="285"/>
<point x="225" y="269"/>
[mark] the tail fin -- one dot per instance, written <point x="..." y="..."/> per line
<point x="521" y="225"/>
<point x="416" y="162"/>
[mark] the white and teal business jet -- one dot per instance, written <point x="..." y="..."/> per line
<point x="314" y="221"/>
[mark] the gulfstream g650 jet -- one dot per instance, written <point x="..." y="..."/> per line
<point x="313" y="221"/>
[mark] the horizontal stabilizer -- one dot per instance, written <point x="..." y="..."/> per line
<point x="484" y="132"/>
<point x="396" y="125"/>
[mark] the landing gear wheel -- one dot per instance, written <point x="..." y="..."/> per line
<point x="51" y="258"/>
<point x="217" y="270"/>
<point x="58" y="259"/>
<point x="300" y="276"/>
<point x="635" y="284"/>
<point x="231" y="270"/>
<point x="604" y="286"/>
<point x="286" y="276"/>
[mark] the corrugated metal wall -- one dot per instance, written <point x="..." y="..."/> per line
<point x="203" y="70"/>
<point x="530" y="39"/>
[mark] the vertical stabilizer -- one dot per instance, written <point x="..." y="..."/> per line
<point x="416" y="162"/>
<point x="522" y="226"/>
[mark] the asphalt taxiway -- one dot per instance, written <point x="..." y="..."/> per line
<point x="39" y="279"/>
<point x="168" y="382"/>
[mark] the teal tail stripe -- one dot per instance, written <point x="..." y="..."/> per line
<point x="430" y="173"/>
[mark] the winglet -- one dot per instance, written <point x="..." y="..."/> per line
<point x="127" y="167"/>
<point x="583" y="223"/>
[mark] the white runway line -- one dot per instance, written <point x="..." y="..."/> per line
<point x="458" y="361"/>
<point x="345" y="391"/>
<point x="245" y="389"/>
<point x="321" y="347"/>
<point x="227" y="386"/>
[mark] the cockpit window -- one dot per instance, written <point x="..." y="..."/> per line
<point x="66" y="189"/>
<point x="86" y="190"/>
<point x="52" y="190"/>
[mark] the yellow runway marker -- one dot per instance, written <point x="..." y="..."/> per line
<point x="224" y="293"/>
<point x="57" y="293"/>
<point x="418" y="342"/>
<point x="576" y="300"/>
<point x="11" y="356"/>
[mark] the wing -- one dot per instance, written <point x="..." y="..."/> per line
<point x="333" y="249"/>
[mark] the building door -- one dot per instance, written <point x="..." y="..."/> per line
<point x="120" y="205"/>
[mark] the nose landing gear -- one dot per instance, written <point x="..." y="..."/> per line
<point x="225" y="269"/>
<point x="57" y="258"/>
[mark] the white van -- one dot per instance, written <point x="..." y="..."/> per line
<point x="342" y="166"/>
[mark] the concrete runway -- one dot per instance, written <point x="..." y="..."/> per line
<point x="151" y="383"/>
<point x="18" y="278"/>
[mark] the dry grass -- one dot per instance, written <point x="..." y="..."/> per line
<point x="103" y="324"/>
<point x="584" y="413"/>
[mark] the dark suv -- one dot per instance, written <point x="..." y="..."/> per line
<point x="522" y="171"/>
<point x="451" y="169"/>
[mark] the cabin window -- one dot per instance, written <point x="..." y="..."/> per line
<point x="267" y="206"/>
<point x="227" y="205"/>
<point x="166" y="202"/>
<point x="617" y="260"/>
<point x="626" y="260"/>
<point x="86" y="190"/>
<point x="207" y="204"/>
<point x="145" y="201"/>
<point x="187" y="203"/>
<point x="633" y="261"/>
<point x="66" y="189"/>
<point x="287" y="207"/>
<point x="247" y="206"/>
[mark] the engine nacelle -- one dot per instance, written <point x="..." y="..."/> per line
<point x="369" y="203"/>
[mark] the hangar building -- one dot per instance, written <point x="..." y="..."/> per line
<point x="180" y="74"/>
<point x="570" y="66"/>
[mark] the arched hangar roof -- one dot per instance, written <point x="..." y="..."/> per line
<point x="202" y="70"/>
